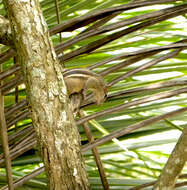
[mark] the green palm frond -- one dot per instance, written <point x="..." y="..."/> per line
<point x="139" y="47"/>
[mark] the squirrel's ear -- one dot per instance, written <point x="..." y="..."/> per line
<point x="107" y="85"/>
<point x="64" y="70"/>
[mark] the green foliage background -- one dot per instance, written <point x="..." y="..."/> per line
<point x="135" y="158"/>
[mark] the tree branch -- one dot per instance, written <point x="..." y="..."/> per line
<point x="95" y="153"/>
<point x="174" y="165"/>
<point x="145" y="66"/>
<point x="178" y="44"/>
<point x="155" y="86"/>
<point x="111" y="27"/>
<point x="139" y="187"/>
<point x="131" y="128"/>
<point x="98" y="43"/>
<point x="100" y="14"/>
<point x="133" y="103"/>
<point x="26" y="178"/>
<point x="4" y="140"/>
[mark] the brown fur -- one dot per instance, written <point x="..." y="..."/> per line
<point x="82" y="80"/>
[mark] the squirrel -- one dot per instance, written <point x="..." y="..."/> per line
<point x="80" y="81"/>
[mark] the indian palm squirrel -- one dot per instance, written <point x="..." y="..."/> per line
<point x="80" y="81"/>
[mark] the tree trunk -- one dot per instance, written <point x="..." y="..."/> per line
<point x="174" y="165"/>
<point x="56" y="130"/>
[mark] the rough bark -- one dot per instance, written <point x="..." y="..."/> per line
<point x="5" y="31"/>
<point x="174" y="165"/>
<point x="56" y="130"/>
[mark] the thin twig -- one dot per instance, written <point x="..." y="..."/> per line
<point x="93" y="16"/>
<point x="155" y="86"/>
<point x="24" y="114"/>
<point x="101" y="22"/>
<point x="111" y="27"/>
<point x="20" y="144"/>
<point x="95" y="153"/>
<point x="16" y="89"/>
<point x="98" y="43"/>
<point x="10" y="71"/>
<point x="12" y="83"/>
<point x="179" y="44"/>
<point x="126" y="63"/>
<point x="131" y="128"/>
<point x="25" y="148"/>
<point x="145" y="66"/>
<point x="77" y="21"/>
<point x="15" y="107"/>
<point x="5" y="56"/>
<point x="125" y="93"/>
<point x="24" y="140"/>
<point x="121" y="94"/>
<point x="26" y="178"/>
<point x="133" y="103"/>
<point x="19" y="134"/>
<point x="58" y="16"/>
<point x="139" y="187"/>
<point x="4" y="139"/>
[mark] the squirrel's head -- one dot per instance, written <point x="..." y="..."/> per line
<point x="100" y="93"/>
